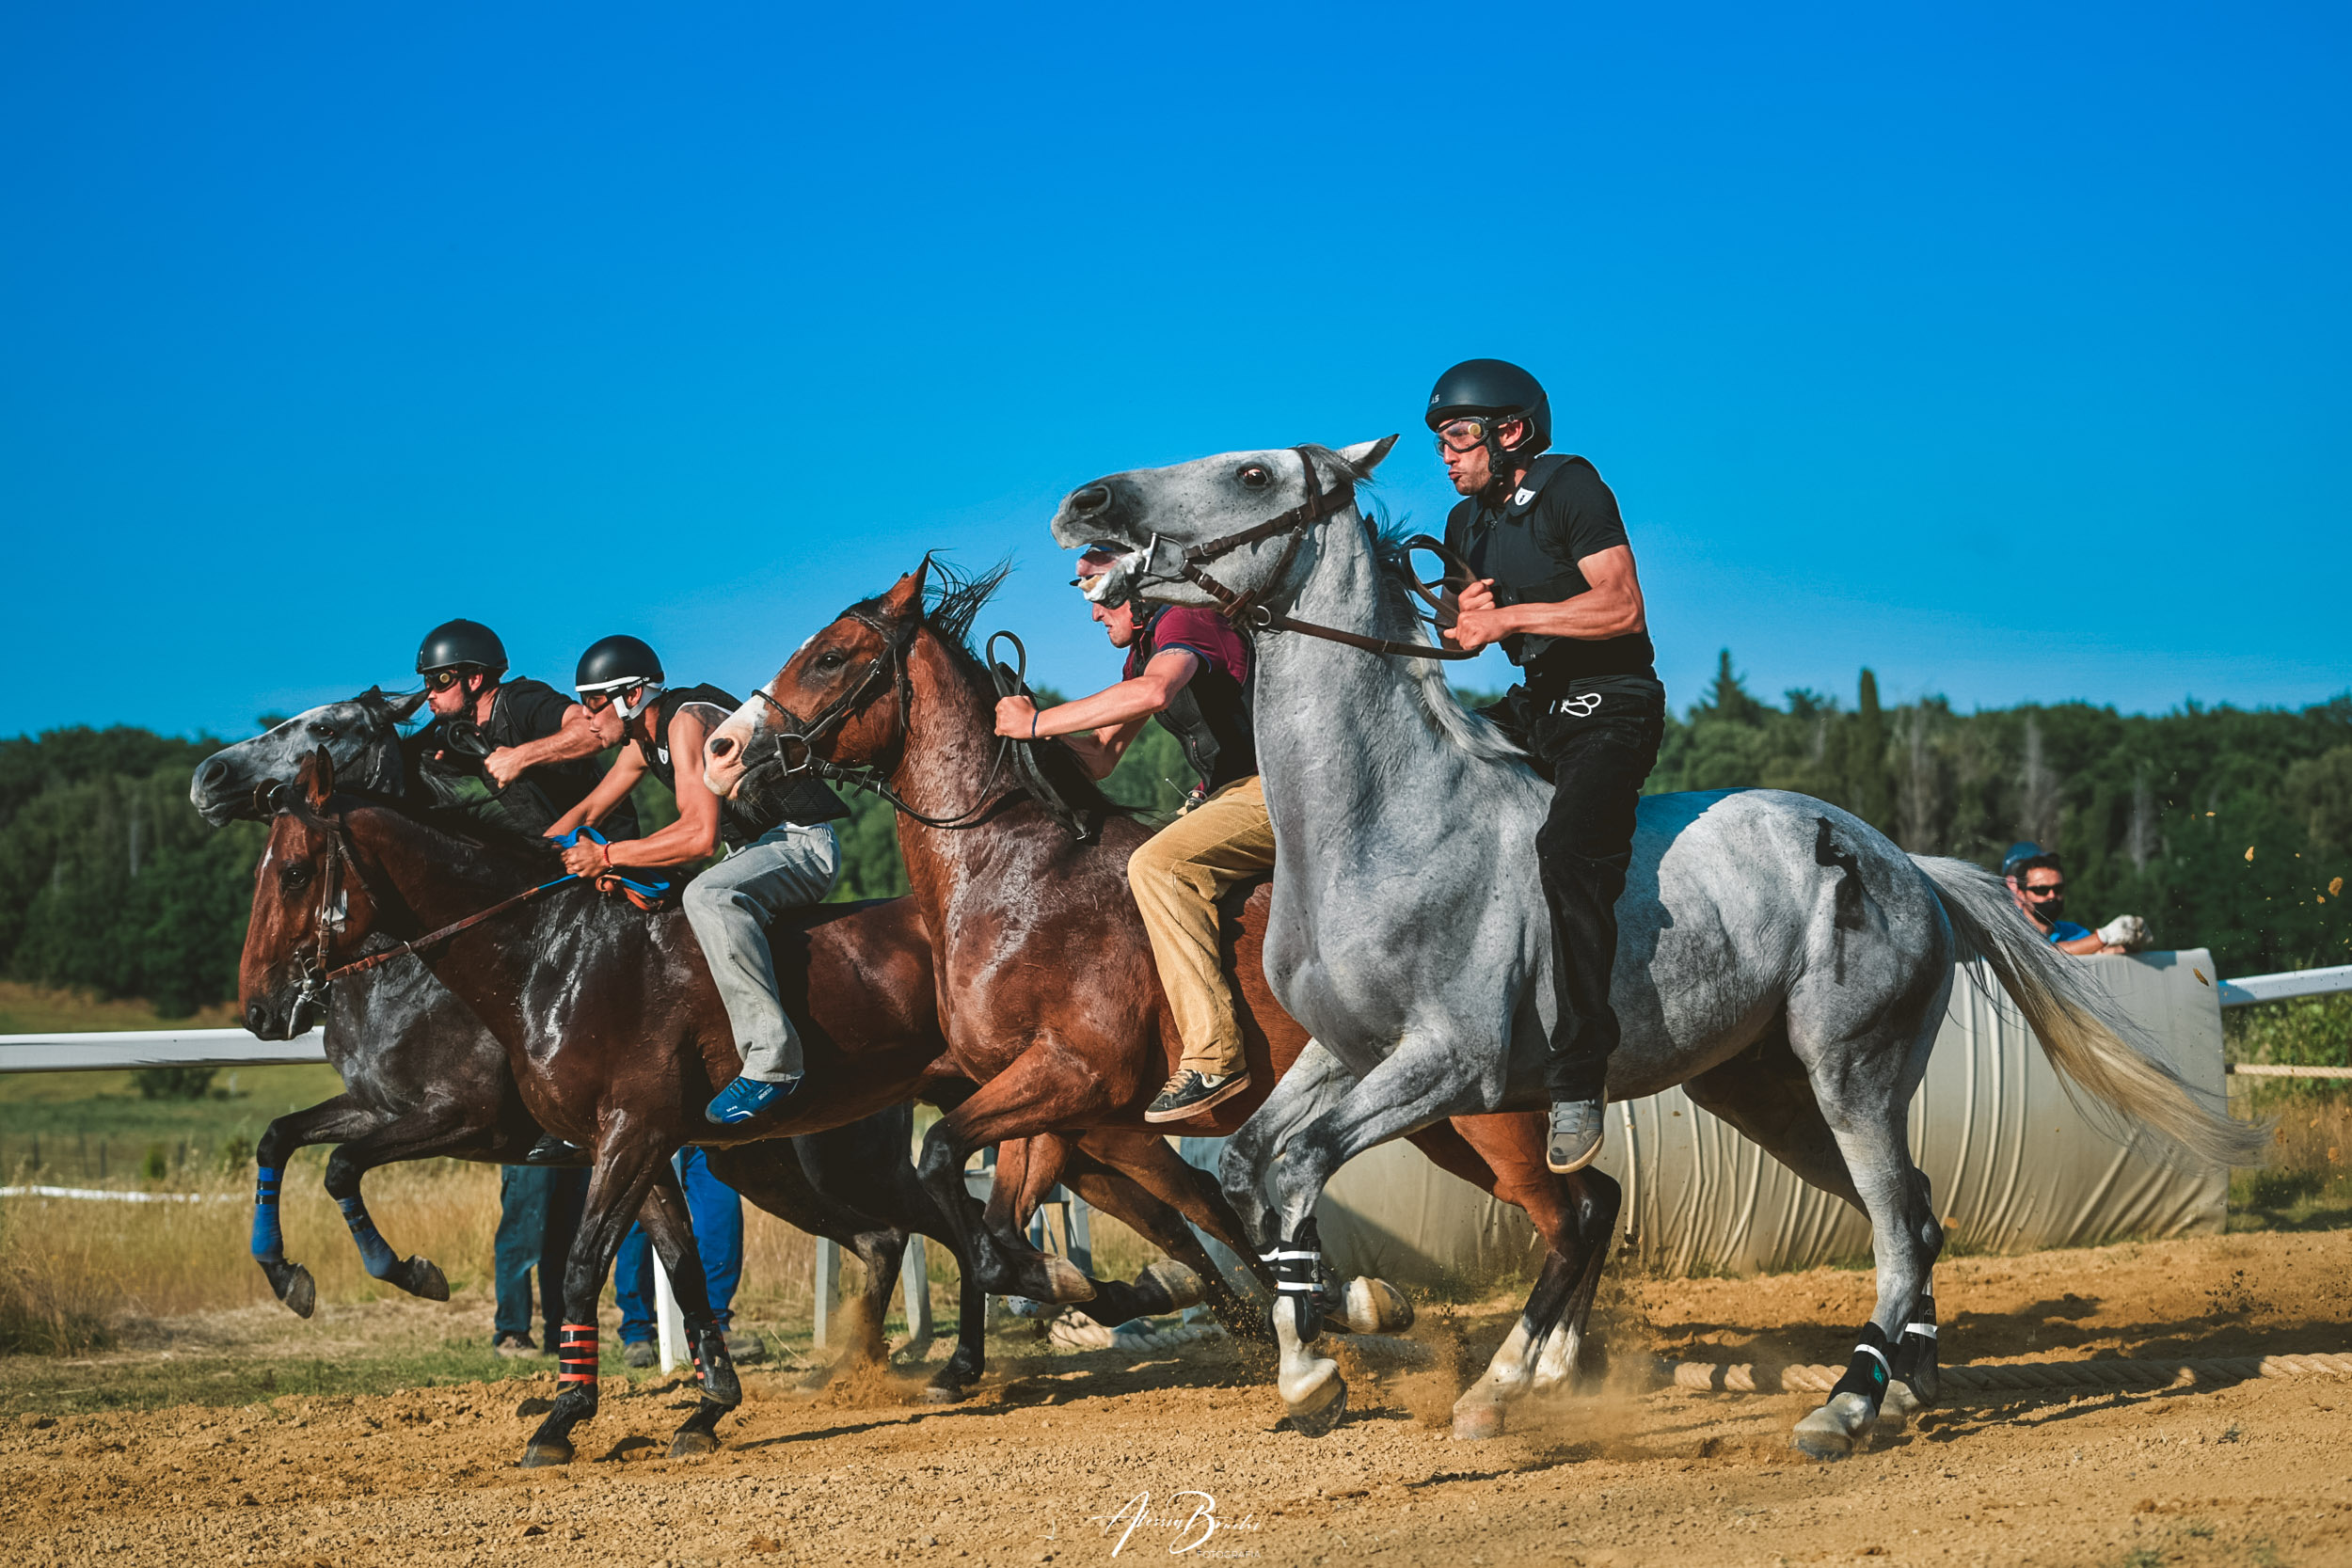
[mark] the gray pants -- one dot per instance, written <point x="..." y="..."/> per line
<point x="730" y="906"/>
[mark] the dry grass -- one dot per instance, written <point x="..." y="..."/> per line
<point x="73" y="1271"/>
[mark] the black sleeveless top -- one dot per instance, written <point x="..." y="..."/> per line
<point x="804" y="802"/>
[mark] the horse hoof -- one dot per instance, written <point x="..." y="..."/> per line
<point x="425" y="1279"/>
<point x="1329" y="1405"/>
<point x="1370" y="1305"/>
<point x="1476" y="1423"/>
<point x="944" y="1388"/>
<point x="1181" y="1285"/>
<point x="546" y="1452"/>
<point x="299" y="1292"/>
<point x="1065" y="1286"/>
<point x="1832" y="1430"/>
<point x="692" y="1443"/>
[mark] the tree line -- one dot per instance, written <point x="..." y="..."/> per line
<point x="2224" y="828"/>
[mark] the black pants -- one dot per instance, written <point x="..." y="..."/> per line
<point x="1598" y="746"/>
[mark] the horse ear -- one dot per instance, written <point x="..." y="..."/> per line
<point x="318" y="777"/>
<point x="1364" y="456"/>
<point x="406" y="706"/>
<point x="906" y="595"/>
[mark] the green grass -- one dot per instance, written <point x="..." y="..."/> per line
<point x="87" y="1125"/>
<point x="49" y="1387"/>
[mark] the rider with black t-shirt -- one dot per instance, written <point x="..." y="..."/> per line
<point x="1552" y="580"/>
<point x="518" y="753"/>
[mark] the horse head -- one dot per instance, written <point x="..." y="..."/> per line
<point x="841" y="697"/>
<point x="1218" y="529"/>
<point x="362" y="737"/>
<point x="311" y="906"/>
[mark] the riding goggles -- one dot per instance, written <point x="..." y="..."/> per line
<point x="629" y="696"/>
<point x="1469" y="434"/>
<point x="442" y="680"/>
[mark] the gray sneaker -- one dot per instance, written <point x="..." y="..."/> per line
<point x="1575" y="1135"/>
<point x="512" y="1345"/>
<point x="639" y="1353"/>
<point x="743" y="1345"/>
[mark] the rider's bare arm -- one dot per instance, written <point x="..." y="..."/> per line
<point x="1611" y="607"/>
<point x="2085" y="946"/>
<point x="575" y="739"/>
<point x="1100" y="728"/>
<point x="611" y="791"/>
<point x="691" y="837"/>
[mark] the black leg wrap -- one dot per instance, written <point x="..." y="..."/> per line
<point x="1867" y="1373"/>
<point x="1915" y="1353"/>
<point x="1298" y="1266"/>
<point x="716" y="1368"/>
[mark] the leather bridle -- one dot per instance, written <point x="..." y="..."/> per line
<point x="1249" y="611"/>
<point x="890" y="661"/>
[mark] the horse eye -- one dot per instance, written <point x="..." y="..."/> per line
<point x="324" y="732"/>
<point x="1256" y="477"/>
<point x="830" y="660"/>
<point x="297" y="874"/>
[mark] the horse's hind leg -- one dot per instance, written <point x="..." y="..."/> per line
<point x="1863" y="1087"/>
<point x="420" y="1135"/>
<point x="1105" y="1177"/>
<point x="670" y="1231"/>
<point x="346" y="1116"/>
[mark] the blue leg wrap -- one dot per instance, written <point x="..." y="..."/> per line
<point x="269" y="1244"/>
<point x="373" y="1251"/>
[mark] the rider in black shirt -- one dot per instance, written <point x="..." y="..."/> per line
<point x="1552" y="580"/>
<point x="517" y="754"/>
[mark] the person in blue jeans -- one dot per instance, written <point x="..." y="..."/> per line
<point x="717" y="1216"/>
<point x="539" y="1210"/>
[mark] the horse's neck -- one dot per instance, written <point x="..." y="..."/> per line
<point x="945" y="761"/>
<point x="412" y="860"/>
<point x="1344" y="737"/>
<point x="381" y="769"/>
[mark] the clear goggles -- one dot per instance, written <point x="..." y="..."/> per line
<point x="628" y="697"/>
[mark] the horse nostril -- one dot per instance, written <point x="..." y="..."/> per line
<point x="721" y="747"/>
<point x="1092" y="499"/>
<point x="256" y="1014"/>
<point x="211" y="773"/>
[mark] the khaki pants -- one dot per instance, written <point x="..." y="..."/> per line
<point x="1178" y="877"/>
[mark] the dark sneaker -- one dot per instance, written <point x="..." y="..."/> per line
<point x="747" y="1099"/>
<point x="1575" y="1135"/>
<point x="1190" y="1093"/>
<point x="552" y="1150"/>
<point x="743" y="1345"/>
<point x="639" y="1353"/>
<point x="512" y="1345"/>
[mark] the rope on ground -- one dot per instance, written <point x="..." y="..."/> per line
<point x="1140" y="1336"/>
<point x="2024" y="1378"/>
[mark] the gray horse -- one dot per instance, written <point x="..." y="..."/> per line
<point x="1777" y="957"/>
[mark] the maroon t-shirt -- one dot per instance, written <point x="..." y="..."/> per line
<point x="1203" y="632"/>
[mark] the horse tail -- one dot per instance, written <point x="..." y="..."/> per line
<point x="2081" y="1032"/>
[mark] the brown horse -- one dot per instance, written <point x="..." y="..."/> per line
<point x="617" y="1039"/>
<point x="1048" y="989"/>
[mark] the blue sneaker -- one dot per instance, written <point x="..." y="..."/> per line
<point x="747" y="1099"/>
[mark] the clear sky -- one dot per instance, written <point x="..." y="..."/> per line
<point x="2001" y="348"/>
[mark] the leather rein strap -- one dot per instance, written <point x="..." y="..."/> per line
<point x="1244" y="609"/>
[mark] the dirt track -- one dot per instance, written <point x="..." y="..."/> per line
<point x="2260" y="1472"/>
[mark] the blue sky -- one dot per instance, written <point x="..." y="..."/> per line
<point x="1998" y="348"/>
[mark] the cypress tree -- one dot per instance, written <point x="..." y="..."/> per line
<point x="1867" y="783"/>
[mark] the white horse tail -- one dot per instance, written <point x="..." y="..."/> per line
<point x="2080" y="1031"/>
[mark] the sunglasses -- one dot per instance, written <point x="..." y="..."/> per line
<point x="2050" y="892"/>
<point x="596" y="701"/>
<point x="1468" y="434"/>
<point x="442" y="680"/>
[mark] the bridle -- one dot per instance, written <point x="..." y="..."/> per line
<point x="1249" y="611"/>
<point x="890" y="663"/>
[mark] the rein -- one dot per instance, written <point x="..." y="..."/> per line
<point x="1248" y="611"/>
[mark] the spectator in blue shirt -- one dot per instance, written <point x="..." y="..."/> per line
<point x="2038" y="882"/>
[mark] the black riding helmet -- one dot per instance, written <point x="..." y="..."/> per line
<point x="616" y="663"/>
<point x="1497" y="389"/>
<point x="461" y="644"/>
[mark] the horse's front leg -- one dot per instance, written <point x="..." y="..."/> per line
<point x="626" y="1166"/>
<point x="1037" y="1093"/>
<point x="1314" y="1083"/>
<point x="346" y="1116"/>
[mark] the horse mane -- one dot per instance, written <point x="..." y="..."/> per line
<point x="952" y="601"/>
<point x="1398" y="617"/>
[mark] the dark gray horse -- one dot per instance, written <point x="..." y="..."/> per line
<point x="424" y="1078"/>
<point x="1777" y="957"/>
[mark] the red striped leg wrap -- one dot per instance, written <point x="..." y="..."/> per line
<point x="577" y="1354"/>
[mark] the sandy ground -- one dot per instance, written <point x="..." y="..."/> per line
<point x="1026" y="1471"/>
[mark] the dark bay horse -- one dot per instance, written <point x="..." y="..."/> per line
<point x="615" y="1034"/>
<point x="422" y="1078"/>
<point x="1049" y="993"/>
